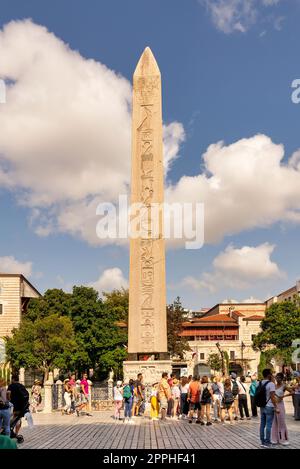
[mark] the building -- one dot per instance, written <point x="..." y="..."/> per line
<point x="288" y="295"/>
<point x="226" y="328"/>
<point x="15" y="294"/>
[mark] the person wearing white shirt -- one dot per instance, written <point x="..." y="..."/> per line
<point x="243" y="400"/>
<point x="268" y="411"/>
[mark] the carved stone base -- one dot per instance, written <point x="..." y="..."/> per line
<point x="151" y="370"/>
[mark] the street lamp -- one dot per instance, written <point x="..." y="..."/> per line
<point x="243" y="346"/>
<point x="222" y="357"/>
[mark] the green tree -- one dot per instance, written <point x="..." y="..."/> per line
<point x="45" y="344"/>
<point x="279" y="328"/>
<point x="177" y="345"/>
<point x="215" y="362"/>
<point x="101" y="343"/>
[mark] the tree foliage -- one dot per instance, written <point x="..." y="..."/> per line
<point x="177" y="345"/>
<point x="47" y="343"/>
<point x="279" y="328"/>
<point x="214" y="361"/>
<point x="90" y="337"/>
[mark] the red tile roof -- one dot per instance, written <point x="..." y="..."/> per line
<point x="255" y="317"/>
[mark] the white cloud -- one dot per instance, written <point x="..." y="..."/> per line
<point x="110" y="279"/>
<point x="244" y="185"/>
<point x="174" y="136"/>
<point x="238" y="268"/>
<point x="10" y="265"/>
<point x="230" y="16"/>
<point x="72" y="120"/>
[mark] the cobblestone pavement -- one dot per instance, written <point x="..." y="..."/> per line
<point x="101" y="431"/>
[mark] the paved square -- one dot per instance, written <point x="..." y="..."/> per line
<point x="101" y="432"/>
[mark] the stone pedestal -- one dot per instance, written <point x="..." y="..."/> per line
<point x="151" y="370"/>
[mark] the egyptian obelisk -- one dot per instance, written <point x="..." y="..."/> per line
<point x="147" y="324"/>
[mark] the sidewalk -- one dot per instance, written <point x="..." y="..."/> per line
<point x="101" y="431"/>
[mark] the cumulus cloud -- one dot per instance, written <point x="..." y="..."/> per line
<point x="174" y="136"/>
<point x="10" y="265"/>
<point x="65" y="131"/>
<point x="238" y="268"/>
<point x="244" y="185"/>
<point x="231" y="16"/>
<point x="110" y="279"/>
<point x="65" y="147"/>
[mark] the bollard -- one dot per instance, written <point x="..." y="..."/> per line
<point x="48" y="397"/>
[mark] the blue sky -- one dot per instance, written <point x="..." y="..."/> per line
<point x="225" y="78"/>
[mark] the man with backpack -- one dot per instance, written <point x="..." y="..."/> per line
<point x="266" y="400"/>
<point x="235" y="392"/>
<point x="19" y="397"/>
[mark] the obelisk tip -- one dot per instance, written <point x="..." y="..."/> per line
<point x="147" y="64"/>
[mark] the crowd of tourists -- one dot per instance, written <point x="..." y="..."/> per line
<point x="76" y="396"/>
<point x="206" y="401"/>
<point x="16" y="402"/>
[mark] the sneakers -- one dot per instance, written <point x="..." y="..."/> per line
<point x="285" y="443"/>
<point x="191" y="421"/>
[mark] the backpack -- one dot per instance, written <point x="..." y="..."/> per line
<point x="127" y="394"/>
<point x="235" y="388"/>
<point x="205" y="394"/>
<point x="260" y="397"/>
<point x="228" y="397"/>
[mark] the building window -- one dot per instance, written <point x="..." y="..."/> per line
<point x="232" y="355"/>
<point x="252" y="337"/>
<point x="1" y="309"/>
<point x="202" y="356"/>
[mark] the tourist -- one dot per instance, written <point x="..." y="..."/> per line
<point x="235" y="392"/>
<point x="194" y="399"/>
<point x="5" y="410"/>
<point x="218" y="390"/>
<point x="164" y="395"/>
<point x="296" y="397"/>
<point x="206" y="396"/>
<point x="279" y="428"/>
<point x="36" y="397"/>
<point x="67" y="397"/>
<point x="227" y="401"/>
<point x="7" y="443"/>
<point x="19" y="397"/>
<point x="171" y="401"/>
<point x="85" y="391"/>
<point x="175" y="391"/>
<point x="252" y="391"/>
<point x="142" y="408"/>
<point x="138" y="395"/>
<point x="242" y="398"/>
<point x="118" y="399"/>
<point x="128" y="391"/>
<point x="265" y="398"/>
<point x="72" y="384"/>
<point x="79" y="402"/>
<point x="184" y="405"/>
<point x="154" y="409"/>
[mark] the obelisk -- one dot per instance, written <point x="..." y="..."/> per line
<point x="147" y="324"/>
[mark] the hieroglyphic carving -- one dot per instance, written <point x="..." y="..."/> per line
<point x="147" y="89"/>
<point x="147" y="92"/>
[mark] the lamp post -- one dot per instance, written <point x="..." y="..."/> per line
<point x="243" y="346"/>
<point x="222" y="357"/>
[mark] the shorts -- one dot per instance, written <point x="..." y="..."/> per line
<point x="195" y="406"/>
<point x="206" y="402"/>
<point x="163" y="403"/>
<point x="226" y="405"/>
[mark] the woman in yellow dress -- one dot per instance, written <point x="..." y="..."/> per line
<point x="154" y="411"/>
